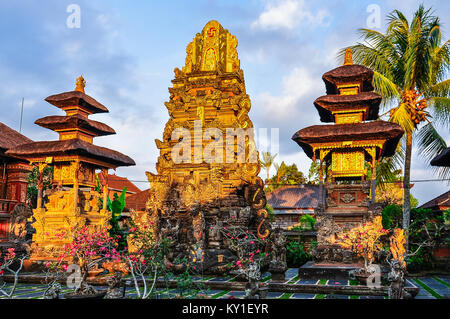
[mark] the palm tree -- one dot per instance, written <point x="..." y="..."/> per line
<point x="410" y="65"/>
<point x="267" y="161"/>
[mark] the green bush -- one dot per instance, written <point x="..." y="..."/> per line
<point x="296" y="254"/>
<point x="392" y="217"/>
<point x="425" y="226"/>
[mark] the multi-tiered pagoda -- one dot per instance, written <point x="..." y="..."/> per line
<point x="195" y="198"/>
<point x="75" y="160"/>
<point x="345" y="150"/>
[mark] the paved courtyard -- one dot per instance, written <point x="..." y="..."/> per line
<point x="431" y="287"/>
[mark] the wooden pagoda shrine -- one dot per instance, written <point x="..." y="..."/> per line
<point x="194" y="199"/>
<point x="75" y="159"/>
<point x="346" y="150"/>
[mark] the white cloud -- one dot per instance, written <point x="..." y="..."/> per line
<point x="287" y="14"/>
<point x="296" y="85"/>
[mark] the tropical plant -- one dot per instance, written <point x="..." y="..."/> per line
<point x="116" y="207"/>
<point x="267" y="161"/>
<point x="410" y="65"/>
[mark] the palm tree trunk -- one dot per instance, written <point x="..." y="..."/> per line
<point x="406" y="186"/>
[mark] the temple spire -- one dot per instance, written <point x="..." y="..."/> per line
<point x="80" y="84"/>
<point x="348" y="56"/>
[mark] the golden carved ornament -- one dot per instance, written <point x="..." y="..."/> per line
<point x="397" y="246"/>
<point x="80" y="84"/>
<point x="348" y="57"/>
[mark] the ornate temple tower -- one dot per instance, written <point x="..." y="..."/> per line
<point x="216" y="180"/>
<point x="356" y="141"/>
<point x="75" y="159"/>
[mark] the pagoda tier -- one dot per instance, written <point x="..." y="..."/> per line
<point x="364" y="106"/>
<point x="72" y="201"/>
<point x="76" y="102"/>
<point x="383" y="135"/>
<point x="75" y="122"/>
<point x="345" y="148"/>
<point x="343" y="78"/>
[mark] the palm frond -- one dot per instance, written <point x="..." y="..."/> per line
<point x="387" y="172"/>
<point x="440" y="107"/>
<point x="402" y="117"/>
<point x="387" y="88"/>
<point x="442" y="172"/>
<point x="429" y="142"/>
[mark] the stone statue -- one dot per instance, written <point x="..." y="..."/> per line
<point x="254" y="289"/>
<point x="19" y="227"/>
<point x="52" y="291"/>
<point x="114" y="285"/>
<point x="278" y="265"/>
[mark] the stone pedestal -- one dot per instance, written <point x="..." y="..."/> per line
<point x="346" y="206"/>
<point x="278" y="270"/>
<point x="332" y="271"/>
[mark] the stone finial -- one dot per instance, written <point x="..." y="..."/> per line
<point x="348" y="57"/>
<point x="80" y="84"/>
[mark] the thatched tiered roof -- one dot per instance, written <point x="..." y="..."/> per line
<point x="290" y="197"/>
<point x="10" y="138"/>
<point x="348" y="74"/>
<point x="442" y="159"/>
<point x="58" y="122"/>
<point x="328" y="104"/>
<point x="71" y="147"/>
<point x="73" y="98"/>
<point x="350" y="132"/>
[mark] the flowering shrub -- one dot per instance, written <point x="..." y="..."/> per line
<point x="363" y="240"/>
<point x="88" y="248"/>
<point x="146" y="260"/>
<point x="248" y="248"/>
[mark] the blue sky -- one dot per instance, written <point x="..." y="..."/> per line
<point x="127" y="50"/>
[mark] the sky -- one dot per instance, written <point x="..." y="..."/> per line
<point x="127" y="50"/>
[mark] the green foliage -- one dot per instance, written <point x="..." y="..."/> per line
<point x="186" y="285"/>
<point x="296" y="254"/>
<point x="267" y="161"/>
<point x="426" y="226"/>
<point x="314" y="173"/>
<point x="308" y="222"/>
<point x="271" y="213"/>
<point x="33" y="180"/>
<point x="286" y="175"/>
<point x="116" y="207"/>
<point x="426" y="232"/>
<point x="392" y="217"/>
